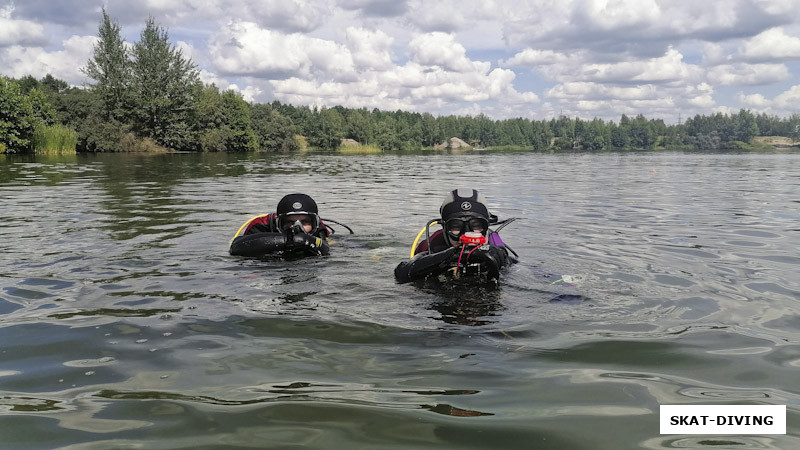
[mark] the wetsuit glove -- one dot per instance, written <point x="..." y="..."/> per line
<point x="423" y="265"/>
<point x="310" y="244"/>
<point x="492" y="258"/>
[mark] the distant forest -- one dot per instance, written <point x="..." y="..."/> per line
<point x="148" y="97"/>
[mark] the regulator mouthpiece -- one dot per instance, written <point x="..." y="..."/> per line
<point x="297" y="227"/>
<point x="473" y="238"/>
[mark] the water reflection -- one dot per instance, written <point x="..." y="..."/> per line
<point x="28" y="404"/>
<point x="464" y="303"/>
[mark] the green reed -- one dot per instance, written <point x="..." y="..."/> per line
<point x="54" y="139"/>
<point x="359" y="149"/>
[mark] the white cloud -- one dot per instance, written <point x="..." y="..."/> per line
<point x="773" y="44"/>
<point x="365" y="93"/>
<point x="369" y="49"/>
<point x="789" y="99"/>
<point x="596" y="91"/>
<point x="446" y="16"/>
<point x="670" y="67"/>
<point x="586" y="57"/>
<point x="19" y="32"/>
<point x="634" y="27"/>
<point x="754" y="100"/>
<point x="442" y="50"/>
<point x="777" y="7"/>
<point x="284" y="15"/>
<point x="783" y="104"/>
<point x="748" y="74"/>
<point x="714" y="53"/>
<point x="187" y="50"/>
<point x="531" y="57"/>
<point x="616" y="14"/>
<point x="212" y="78"/>
<point x="249" y="93"/>
<point x="698" y="96"/>
<point x="578" y="67"/>
<point x="412" y="86"/>
<point x="703" y="101"/>
<point x="376" y="8"/>
<point x="244" y="48"/>
<point x="410" y="75"/>
<point x="20" y="61"/>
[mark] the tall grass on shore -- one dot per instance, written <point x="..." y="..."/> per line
<point x="359" y="149"/>
<point x="54" y="140"/>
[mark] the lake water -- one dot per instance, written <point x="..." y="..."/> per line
<point x="645" y="279"/>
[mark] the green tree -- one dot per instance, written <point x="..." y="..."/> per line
<point x="619" y="135"/>
<point x="274" y="130"/>
<point x="431" y="133"/>
<point x="746" y="127"/>
<point x="224" y="122"/>
<point x="794" y="127"/>
<point x="641" y="133"/>
<point x="17" y="120"/>
<point x="386" y="133"/>
<point x="327" y="129"/>
<point x="541" y="135"/>
<point x="448" y="127"/>
<point x="563" y="127"/>
<point x="43" y="112"/>
<point x="53" y="85"/>
<point x="110" y="68"/>
<point x="510" y="133"/>
<point x="480" y="129"/>
<point x="595" y="135"/>
<point x="27" y="83"/>
<point x="408" y="130"/>
<point x="360" y="126"/>
<point x="237" y="114"/>
<point x="165" y="87"/>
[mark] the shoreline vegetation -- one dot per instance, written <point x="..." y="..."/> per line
<point x="132" y="106"/>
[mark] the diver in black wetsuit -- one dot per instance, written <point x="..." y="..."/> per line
<point x="294" y="228"/>
<point x="464" y="247"/>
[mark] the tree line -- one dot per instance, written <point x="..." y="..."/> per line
<point x="148" y="96"/>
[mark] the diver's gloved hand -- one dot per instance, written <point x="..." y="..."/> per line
<point x="308" y="243"/>
<point x="423" y="265"/>
<point x="492" y="258"/>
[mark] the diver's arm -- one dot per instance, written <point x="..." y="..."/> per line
<point x="310" y="244"/>
<point x="423" y="265"/>
<point x="257" y="244"/>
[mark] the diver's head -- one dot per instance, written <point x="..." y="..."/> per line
<point x="297" y="207"/>
<point x="464" y="210"/>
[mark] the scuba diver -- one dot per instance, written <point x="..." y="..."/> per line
<point x="295" y="228"/>
<point x="464" y="247"/>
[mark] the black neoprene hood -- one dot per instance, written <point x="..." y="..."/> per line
<point x="464" y="203"/>
<point x="297" y="204"/>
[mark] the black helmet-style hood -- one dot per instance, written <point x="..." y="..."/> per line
<point x="300" y="204"/>
<point x="464" y="203"/>
<point x="297" y="204"/>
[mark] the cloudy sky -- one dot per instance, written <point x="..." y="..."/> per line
<point x="667" y="59"/>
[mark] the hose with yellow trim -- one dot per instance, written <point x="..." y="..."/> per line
<point x="419" y="235"/>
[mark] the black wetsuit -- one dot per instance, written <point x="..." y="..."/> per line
<point x="258" y="237"/>
<point x="484" y="261"/>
